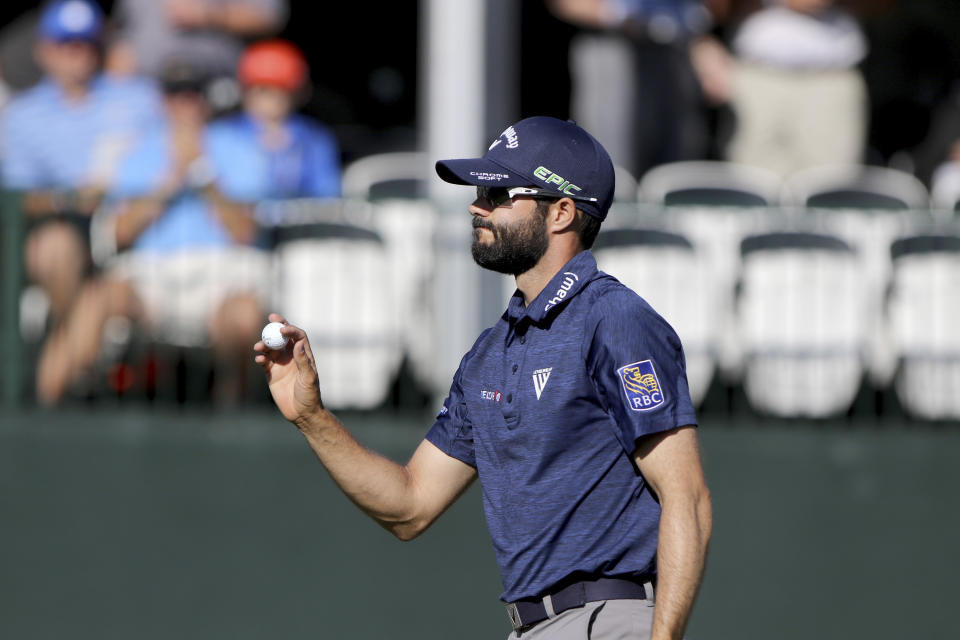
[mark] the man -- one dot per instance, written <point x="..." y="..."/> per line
<point x="180" y="215"/>
<point x="301" y="155"/>
<point x="635" y="70"/>
<point x="572" y="410"/>
<point x="61" y="141"/>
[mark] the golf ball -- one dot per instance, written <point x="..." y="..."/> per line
<point x="272" y="337"/>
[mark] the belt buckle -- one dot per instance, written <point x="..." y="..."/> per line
<point x="514" y="614"/>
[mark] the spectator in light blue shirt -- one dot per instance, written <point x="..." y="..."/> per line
<point x="61" y="141"/>
<point x="301" y="155"/>
<point x="180" y="214"/>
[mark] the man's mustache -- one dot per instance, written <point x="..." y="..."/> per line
<point x="480" y="223"/>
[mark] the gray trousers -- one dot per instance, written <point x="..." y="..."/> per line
<point x="603" y="620"/>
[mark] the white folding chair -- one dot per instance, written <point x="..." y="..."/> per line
<point x="868" y="207"/>
<point x="716" y="204"/>
<point x="334" y="281"/>
<point x="665" y="269"/>
<point x="801" y="322"/>
<point x="923" y="311"/>
<point x="408" y="227"/>
<point x="394" y="183"/>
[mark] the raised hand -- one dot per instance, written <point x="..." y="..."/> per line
<point x="291" y="373"/>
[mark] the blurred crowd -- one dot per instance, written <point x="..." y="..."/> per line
<point x="143" y="140"/>
<point x="147" y="147"/>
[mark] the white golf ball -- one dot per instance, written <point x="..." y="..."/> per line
<point x="272" y="337"/>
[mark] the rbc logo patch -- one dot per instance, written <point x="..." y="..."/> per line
<point x="641" y="386"/>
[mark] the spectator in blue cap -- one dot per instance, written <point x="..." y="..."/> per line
<point x="60" y="143"/>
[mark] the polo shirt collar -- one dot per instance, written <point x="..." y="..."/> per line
<point x="567" y="283"/>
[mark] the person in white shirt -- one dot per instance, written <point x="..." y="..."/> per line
<point x="798" y="96"/>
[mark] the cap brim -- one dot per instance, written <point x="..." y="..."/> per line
<point x="479" y="172"/>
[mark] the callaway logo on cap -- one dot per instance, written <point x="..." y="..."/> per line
<point x="546" y="153"/>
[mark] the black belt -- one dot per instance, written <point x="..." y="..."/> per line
<point x="525" y="613"/>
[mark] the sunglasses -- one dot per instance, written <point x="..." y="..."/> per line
<point x="499" y="196"/>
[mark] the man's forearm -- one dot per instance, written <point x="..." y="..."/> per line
<point x="379" y="486"/>
<point x="685" y="528"/>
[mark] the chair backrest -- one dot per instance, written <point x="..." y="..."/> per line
<point x="801" y="323"/>
<point x="710" y="182"/>
<point x="922" y="312"/>
<point x="855" y="186"/>
<point x="399" y="173"/>
<point x="924" y="303"/>
<point x="333" y="280"/>
<point x="801" y="293"/>
<point x="625" y="189"/>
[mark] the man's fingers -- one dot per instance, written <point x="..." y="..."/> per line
<point x="292" y="332"/>
<point x="276" y="317"/>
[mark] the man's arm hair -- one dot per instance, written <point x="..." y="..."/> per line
<point x="403" y="499"/>
<point x="670" y="464"/>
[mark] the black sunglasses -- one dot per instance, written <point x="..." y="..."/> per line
<point x="499" y="196"/>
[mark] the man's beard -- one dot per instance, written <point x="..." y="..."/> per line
<point x="514" y="249"/>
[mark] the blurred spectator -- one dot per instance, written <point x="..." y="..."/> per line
<point x="798" y="97"/>
<point x="182" y="220"/>
<point x="302" y="157"/>
<point x="61" y="141"/>
<point x="209" y="33"/>
<point x="633" y="82"/>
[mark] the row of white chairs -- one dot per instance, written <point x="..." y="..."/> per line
<point x="794" y="319"/>
<point x="838" y="307"/>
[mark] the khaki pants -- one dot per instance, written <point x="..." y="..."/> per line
<point x="791" y="120"/>
<point x="604" y="620"/>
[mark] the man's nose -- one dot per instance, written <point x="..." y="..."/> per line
<point x="479" y="207"/>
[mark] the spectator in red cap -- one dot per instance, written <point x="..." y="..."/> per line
<point x="301" y="155"/>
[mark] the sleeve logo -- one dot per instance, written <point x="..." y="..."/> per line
<point x="641" y="385"/>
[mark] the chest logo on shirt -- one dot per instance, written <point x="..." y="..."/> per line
<point x="641" y="385"/>
<point x="491" y="395"/>
<point x="540" y="377"/>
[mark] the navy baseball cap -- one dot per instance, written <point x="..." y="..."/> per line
<point x="543" y="152"/>
<point x="64" y="20"/>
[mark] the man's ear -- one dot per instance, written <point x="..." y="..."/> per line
<point x="563" y="215"/>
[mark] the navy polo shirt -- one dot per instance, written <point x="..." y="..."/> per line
<point x="548" y="406"/>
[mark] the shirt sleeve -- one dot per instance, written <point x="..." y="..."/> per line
<point x="637" y="365"/>
<point x="452" y="432"/>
